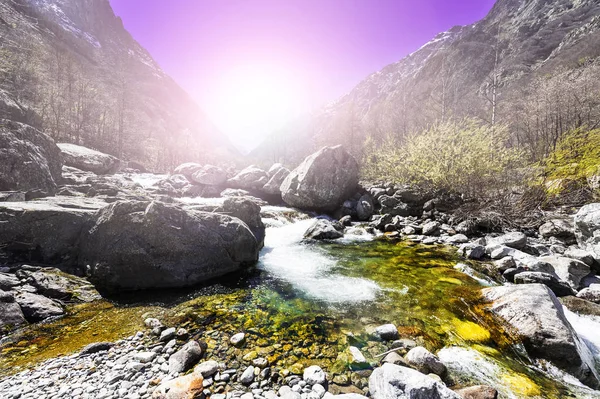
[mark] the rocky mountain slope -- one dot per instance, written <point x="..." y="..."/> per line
<point x="71" y="69"/>
<point x="486" y="70"/>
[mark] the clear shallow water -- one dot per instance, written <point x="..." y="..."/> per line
<point x="320" y="298"/>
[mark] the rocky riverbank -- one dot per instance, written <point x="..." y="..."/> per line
<point x="317" y="319"/>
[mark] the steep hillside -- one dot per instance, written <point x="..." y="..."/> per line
<point x="71" y="69"/>
<point x="523" y="53"/>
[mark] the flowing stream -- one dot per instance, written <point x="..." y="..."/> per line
<point x="307" y="302"/>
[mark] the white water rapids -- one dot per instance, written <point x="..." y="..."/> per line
<point x="308" y="269"/>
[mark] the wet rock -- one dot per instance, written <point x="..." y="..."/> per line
<point x="96" y="347"/>
<point x="168" y="245"/>
<point x="167" y="334"/>
<point x="535" y="312"/>
<point x="356" y="360"/>
<point x="322" y="181"/>
<point x="323" y="229"/>
<point x="587" y="228"/>
<point x="11" y="315"/>
<point x="189" y="386"/>
<point x="251" y="178"/>
<point x="425" y="361"/>
<point x="391" y="381"/>
<point x="394" y="206"/>
<point x="580" y="306"/>
<point x="560" y="288"/>
<point x="29" y="159"/>
<point x="277" y="175"/>
<point x="209" y="175"/>
<point x="87" y="159"/>
<point x="472" y="251"/>
<point x="37" y="307"/>
<point x="237" y="339"/>
<point x="478" y="392"/>
<point x="185" y="358"/>
<point x="314" y="375"/>
<point x="387" y="332"/>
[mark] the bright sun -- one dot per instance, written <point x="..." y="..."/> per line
<point x="252" y="101"/>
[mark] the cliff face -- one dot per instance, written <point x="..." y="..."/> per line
<point x="71" y="69"/>
<point x="458" y="73"/>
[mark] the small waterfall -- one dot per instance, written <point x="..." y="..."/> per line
<point x="303" y="265"/>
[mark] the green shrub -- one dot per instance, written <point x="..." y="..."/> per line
<point x="460" y="156"/>
<point x="574" y="162"/>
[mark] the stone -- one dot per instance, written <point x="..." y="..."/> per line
<point x="151" y="322"/>
<point x="457" y="239"/>
<point x="560" y="228"/>
<point x="209" y="175"/>
<point x="247" y="376"/>
<point x="567" y="269"/>
<point x="560" y="288"/>
<point x="323" y="229"/>
<point x="425" y="361"/>
<point x="8" y="281"/>
<point x="394" y="206"/>
<point x="207" y="369"/>
<point x="29" y="159"/>
<point x="276" y="178"/>
<point x="248" y="212"/>
<point x="250" y="178"/>
<point x="167" y="334"/>
<point x="591" y="293"/>
<point x="322" y="181"/>
<point x="387" y="332"/>
<point x="144" y="357"/>
<point x="189" y="386"/>
<point x="394" y="358"/>
<point x="472" y="251"/>
<point x="314" y="375"/>
<point x="587" y="229"/>
<point x="89" y="160"/>
<point x="580" y="255"/>
<point x="37" y="307"/>
<point x="364" y="207"/>
<point x="187" y="169"/>
<point x="513" y="239"/>
<point x="168" y="245"/>
<point x="237" y="339"/>
<point x="53" y="283"/>
<point x="11" y="315"/>
<point x="185" y="358"/>
<point x="538" y="317"/>
<point x="431" y="228"/>
<point x="391" y="381"/>
<point x="30" y="229"/>
<point x="356" y="360"/>
<point x="96" y="347"/>
<point x="478" y="392"/>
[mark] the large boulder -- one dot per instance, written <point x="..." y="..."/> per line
<point x="567" y="269"/>
<point x="587" y="228"/>
<point x="209" y="175"/>
<point x="559" y="228"/>
<point x="252" y="178"/>
<point x="538" y="317"/>
<point x="53" y="283"/>
<point x="29" y="159"/>
<point x="322" y="181"/>
<point x="37" y="307"/>
<point x="187" y="169"/>
<point x="323" y="229"/>
<point x="140" y="244"/>
<point x="392" y="381"/>
<point x="277" y="175"/>
<point x="42" y="231"/>
<point x="87" y="159"/>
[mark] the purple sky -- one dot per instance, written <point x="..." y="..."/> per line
<point x="311" y="50"/>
